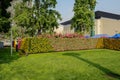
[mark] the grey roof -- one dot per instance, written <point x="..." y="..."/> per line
<point x="98" y="14"/>
<point x="66" y="22"/>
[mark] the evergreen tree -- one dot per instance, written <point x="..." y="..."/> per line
<point x="4" y="16"/>
<point x="83" y="19"/>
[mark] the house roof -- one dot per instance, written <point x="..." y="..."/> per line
<point x="66" y="22"/>
<point x="98" y="15"/>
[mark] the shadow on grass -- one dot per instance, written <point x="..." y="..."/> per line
<point x="103" y="69"/>
<point x="5" y="55"/>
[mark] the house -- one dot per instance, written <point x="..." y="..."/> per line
<point x="105" y="23"/>
<point x="64" y="28"/>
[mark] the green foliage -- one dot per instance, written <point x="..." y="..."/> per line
<point x="35" y="45"/>
<point x="4" y="16"/>
<point x="18" y="32"/>
<point x="100" y="43"/>
<point x="68" y="44"/>
<point x="24" y="18"/>
<point x="4" y="24"/>
<point x="75" y="35"/>
<point x="46" y="16"/>
<point x="108" y="43"/>
<point x="37" y="18"/>
<point x="83" y="19"/>
<point x="112" y="44"/>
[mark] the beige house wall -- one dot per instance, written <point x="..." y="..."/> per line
<point x="67" y="29"/>
<point x="64" y="29"/>
<point x="102" y="26"/>
<point x="107" y="26"/>
<point x="59" y="30"/>
<point x="98" y="26"/>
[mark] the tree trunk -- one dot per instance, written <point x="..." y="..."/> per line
<point x="39" y="32"/>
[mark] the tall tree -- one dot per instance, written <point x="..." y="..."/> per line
<point x="46" y="16"/>
<point x="4" y="16"/>
<point x="40" y="16"/>
<point x="24" y="18"/>
<point x="83" y="19"/>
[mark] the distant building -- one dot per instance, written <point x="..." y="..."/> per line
<point x="105" y="23"/>
<point x="64" y="28"/>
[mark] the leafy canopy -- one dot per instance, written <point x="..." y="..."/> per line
<point x="83" y="18"/>
<point x="37" y="16"/>
<point x="4" y="16"/>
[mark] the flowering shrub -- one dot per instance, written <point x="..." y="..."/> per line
<point x="75" y="35"/>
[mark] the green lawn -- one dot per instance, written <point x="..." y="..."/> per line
<point x="71" y="65"/>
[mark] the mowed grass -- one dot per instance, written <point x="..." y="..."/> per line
<point x="95" y="64"/>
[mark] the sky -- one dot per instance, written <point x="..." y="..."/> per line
<point x="65" y="7"/>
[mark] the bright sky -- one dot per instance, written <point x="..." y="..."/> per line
<point x="65" y="7"/>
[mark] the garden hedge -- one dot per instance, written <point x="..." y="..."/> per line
<point x="112" y="44"/>
<point x="108" y="43"/>
<point x="66" y="44"/>
<point x="100" y="43"/>
<point x="35" y="45"/>
<point x="38" y="45"/>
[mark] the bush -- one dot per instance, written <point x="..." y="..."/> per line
<point x="65" y="44"/>
<point x="35" y="45"/>
<point x="108" y="43"/>
<point x="100" y="43"/>
<point x="75" y="35"/>
<point x="112" y="44"/>
<point x="38" y="45"/>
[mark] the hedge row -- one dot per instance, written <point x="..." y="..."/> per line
<point x="35" y="45"/>
<point x="38" y="45"/>
<point x="65" y="44"/>
<point x="108" y="43"/>
<point x="75" y="35"/>
<point x="100" y="43"/>
<point x="112" y="44"/>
